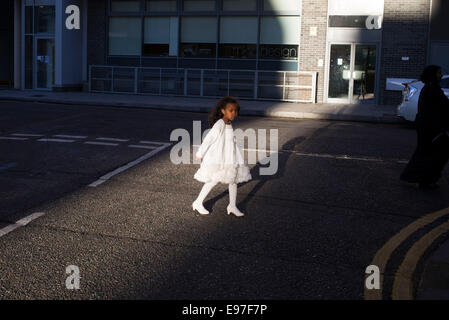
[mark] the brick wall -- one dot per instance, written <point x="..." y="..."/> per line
<point x="96" y="32"/>
<point x="312" y="48"/>
<point x="405" y="34"/>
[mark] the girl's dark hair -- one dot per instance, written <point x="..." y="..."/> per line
<point x="216" y="114"/>
<point x="429" y="75"/>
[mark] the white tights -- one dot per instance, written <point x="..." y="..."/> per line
<point x="207" y="187"/>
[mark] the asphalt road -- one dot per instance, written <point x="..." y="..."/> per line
<point x="309" y="232"/>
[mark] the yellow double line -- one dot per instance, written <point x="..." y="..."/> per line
<point x="403" y="286"/>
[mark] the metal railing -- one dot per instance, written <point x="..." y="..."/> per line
<point x="250" y="84"/>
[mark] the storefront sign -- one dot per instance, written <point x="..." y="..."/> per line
<point x="288" y="52"/>
<point x="373" y="22"/>
<point x="73" y="20"/>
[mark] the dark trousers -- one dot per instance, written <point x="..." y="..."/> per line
<point x="428" y="160"/>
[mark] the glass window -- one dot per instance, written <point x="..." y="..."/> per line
<point x="157" y="30"/>
<point x="161" y="5"/>
<point x="348" y="21"/>
<point x="237" y="51"/>
<point x="280" y="30"/>
<point x="198" y="50"/>
<point x="199" y="29"/>
<point x="198" y="37"/>
<point x="278" y="51"/>
<point x="199" y="5"/>
<point x="281" y="5"/>
<point x="156" y="36"/>
<point x="28" y="19"/>
<point x="238" y="37"/>
<point x="125" y="6"/>
<point x="239" y="5"/>
<point x="238" y="30"/>
<point x="44" y="19"/>
<point x="279" y="37"/>
<point x="124" y="36"/>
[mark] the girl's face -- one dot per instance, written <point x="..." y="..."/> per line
<point x="230" y="112"/>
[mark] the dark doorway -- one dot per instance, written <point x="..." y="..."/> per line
<point x="6" y="43"/>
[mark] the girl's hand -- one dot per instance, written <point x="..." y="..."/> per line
<point x="197" y="158"/>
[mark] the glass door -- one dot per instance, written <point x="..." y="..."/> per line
<point x="352" y="73"/>
<point x="339" y="72"/>
<point x="44" y="62"/>
<point x="364" y="73"/>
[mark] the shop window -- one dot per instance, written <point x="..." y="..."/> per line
<point x="281" y="5"/>
<point x="156" y="50"/>
<point x="279" y="38"/>
<point x="125" y="6"/>
<point x="197" y="50"/>
<point x="199" y="5"/>
<point x="278" y="51"/>
<point x="161" y="5"/>
<point x="156" y="36"/>
<point x="238" y="37"/>
<point x="124" y="36"/>
<point x="237" y="51"/>
<point x="239" y="5"/>
<point x="198" y="37"/>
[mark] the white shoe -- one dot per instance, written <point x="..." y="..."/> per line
<point x="199" y="207"/>
<point x="235" y="211"/>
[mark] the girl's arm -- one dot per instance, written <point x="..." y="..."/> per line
<point x="210" y="138"/>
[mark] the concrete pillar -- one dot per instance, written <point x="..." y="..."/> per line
<point x="68" y="49"/>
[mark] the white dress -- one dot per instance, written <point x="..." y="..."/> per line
<point x="222" y="160"/>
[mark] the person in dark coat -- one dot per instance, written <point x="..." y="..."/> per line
<point x="432" y="125"/>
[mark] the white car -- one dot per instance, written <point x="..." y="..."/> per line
<point x="410" y="95"/>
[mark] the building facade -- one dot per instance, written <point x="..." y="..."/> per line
<point x="350" y="47"/>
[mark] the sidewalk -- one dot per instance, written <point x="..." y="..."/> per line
<point x="348" y="112"/>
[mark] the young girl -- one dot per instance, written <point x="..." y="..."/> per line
<point x="221" y="158"/>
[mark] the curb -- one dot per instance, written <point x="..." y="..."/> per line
<point x="248" y="112"/>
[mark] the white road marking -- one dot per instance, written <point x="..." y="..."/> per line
<point x="101" y="143"/>
<point x="151" y="142"/>
<point x="12" y="138"/>
<point x="20" y="223"/>
<point x="129" y="165"/>
<point x="323" y="155"/>
<point x="27" y="135"/>
<point x="55" y="140"/>
<point x="113" y="139"/>
<point x="346" y="157"/>
<point x="261" y="150"/>
<point x="68" y="136"/>
<point x="140" y="146"/>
